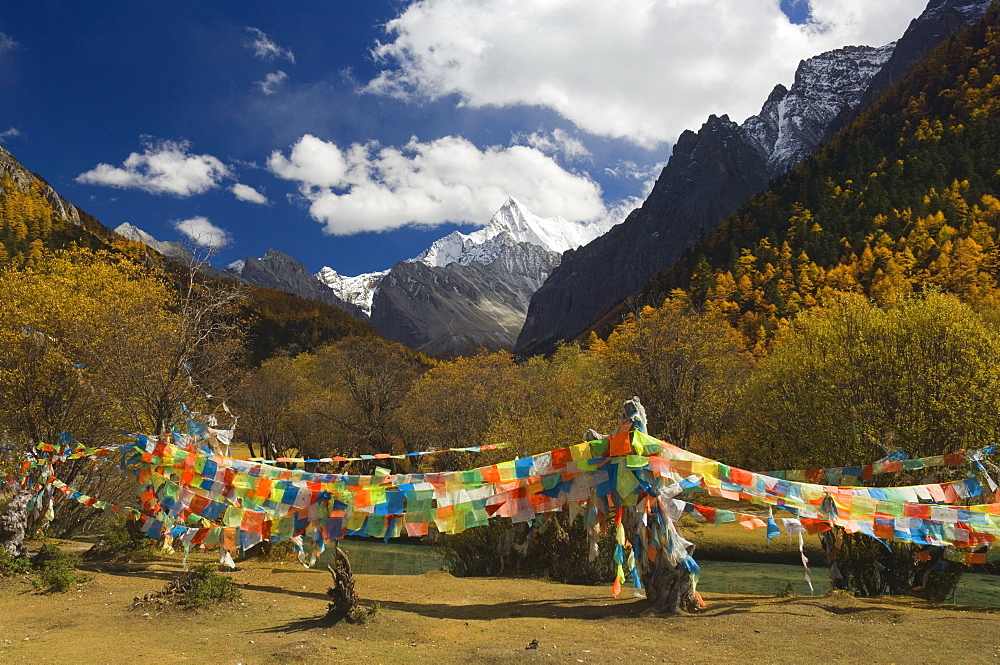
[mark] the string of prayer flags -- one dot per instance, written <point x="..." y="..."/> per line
<point x="192" y="495"/>
<point x="378" y="456"/>
<point x="842" y="474"/>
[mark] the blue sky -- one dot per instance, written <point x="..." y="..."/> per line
<point x="353" y="134"/>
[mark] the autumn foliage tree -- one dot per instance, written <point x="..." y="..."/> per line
<point x="851" y="381"/>
<point x="683" y="364"/>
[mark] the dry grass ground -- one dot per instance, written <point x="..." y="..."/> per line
<point x="436" y="618"/>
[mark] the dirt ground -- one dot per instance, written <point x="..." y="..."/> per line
<point x="437" y="618"/>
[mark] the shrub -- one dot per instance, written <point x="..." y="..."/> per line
<point x="123" y="541"/>
<point x="557" y="550"/>
<point x="205" y="586"/>
<point x="56" y="569"/>
<point x="11" y="565"/>
<point x="283" y="550"/>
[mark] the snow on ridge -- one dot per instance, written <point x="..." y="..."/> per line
<point x="168" y="248"/>
<point x="793" y="122"/>
<point x="359" y="290"/>
<point x="554" y="234"/>
<point x="513" y="223"/>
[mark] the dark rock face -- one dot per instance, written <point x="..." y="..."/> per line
<point x="277" y="270"/>
<point x="939" y="20"/>
<point x="709" y="175"/>
<point x="458" y="309"/>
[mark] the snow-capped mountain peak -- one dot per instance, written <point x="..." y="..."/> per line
<point x="554" y="234"/>
<point x="511" y="225"/>
<point x="793" y="121"/>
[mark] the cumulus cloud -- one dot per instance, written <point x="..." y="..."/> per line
<point x="9" y="133"/>
<point x="164" y="167"/>
<point x="202" y="232"/>
<point x="265" y="48"/>
<point x="248" y="194"/>
<point x="635" y="69"/>
<point x="272" y="82"/>
<point x="367" y="187"/>
<point x="558" y="142"/>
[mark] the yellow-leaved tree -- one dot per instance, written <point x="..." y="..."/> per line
<point x="92" y="344"/>
<point x="684" y="365"/>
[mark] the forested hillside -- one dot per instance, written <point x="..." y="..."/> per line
<point x="274" y="321"/>
<point x="904" y="199"/>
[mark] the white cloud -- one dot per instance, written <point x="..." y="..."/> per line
<point x="373" y="188"/>
<point x="265" y="48"/>
<point x="272" y="82"/>
<point x="164" y="167"/>
<point x="202" y="232"/>
<point x="248" y="194"/>
<point x="628" y="170"/>
<point x="558" y="142"/>
<point x="644" y="70"/>
<point x="9" y="133"/>
<point x="7" y="44"/>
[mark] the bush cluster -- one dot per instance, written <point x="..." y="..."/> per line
<point x="557" y="550"/>
<point x="123" y="541"/>
<point x="56" y="569"/>
<point x="205" y="586"/>
<point x="11" y="565"/>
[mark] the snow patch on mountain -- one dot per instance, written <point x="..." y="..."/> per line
<point x="512" y="224"/>
<point x="554" y="234"/>
<point x="171" y="249"/>
<point x="359" y="290"/>
<point x="792" y="122"/>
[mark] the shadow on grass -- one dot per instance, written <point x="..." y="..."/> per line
<point x="299" y="626"/>
<point x="169" y="575"/>
<point x="556" y="609"/>
<point x="538" y="609"/>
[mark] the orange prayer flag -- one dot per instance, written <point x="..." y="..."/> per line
<point x="620" y="444"/>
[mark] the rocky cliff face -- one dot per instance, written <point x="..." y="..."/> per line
<point x="939" y="20"/>
<point x="23" y="177"/>
<point x="460" y="308"/>
<point x="276" y="270"/>
<point x="170" y="249"/>
<point x="792" y="123"/>
<point x="513" y="221"/>
<point x="709" y="175"/>
<point x="466" y="291"/>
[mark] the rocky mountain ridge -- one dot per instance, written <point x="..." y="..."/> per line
<point x="463" y="293"/>
<point x="712" y="172"/>
<point x="512" y="222"/>
<point x="170" y="249"/>
<point x="459" y="308"/>
<point x="23" y="177"/>
<point x="277" y="270"/>
<point x="468" y="291"/>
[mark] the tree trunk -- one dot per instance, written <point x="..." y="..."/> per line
<point x="668" y="588"/>
<point x="345" y="602"/>
<point x="14" y="523"/>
